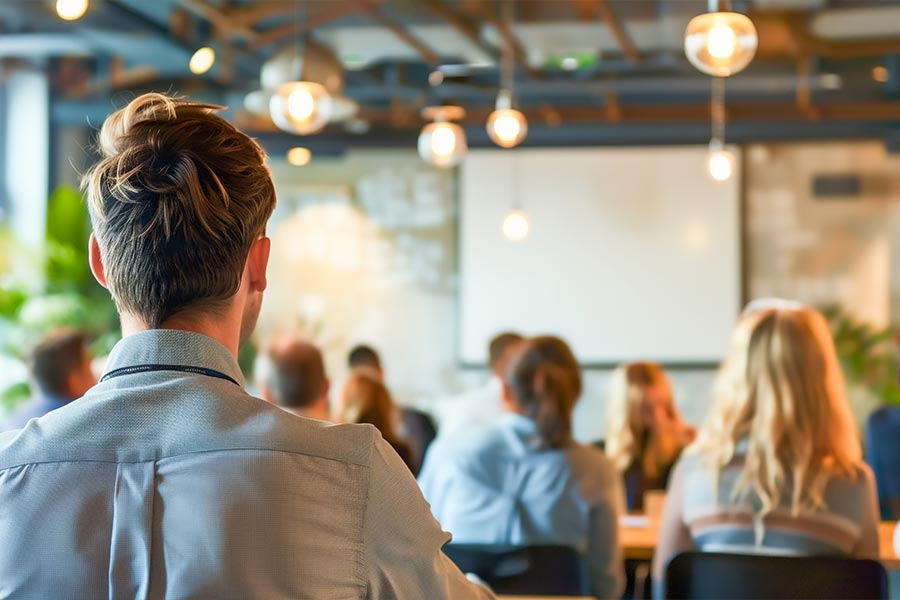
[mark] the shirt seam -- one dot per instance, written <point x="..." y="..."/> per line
<point x="367" y="582"/>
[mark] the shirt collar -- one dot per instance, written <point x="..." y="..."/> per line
<point x="173" y="347"/>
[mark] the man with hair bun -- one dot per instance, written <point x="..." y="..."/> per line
<point x="166" y="479"/>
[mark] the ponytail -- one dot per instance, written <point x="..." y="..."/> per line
<point x="552" y="410"/>
<point x="546" y="382"/>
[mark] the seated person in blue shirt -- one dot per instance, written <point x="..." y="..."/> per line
<point x="60" y="370"/>
<point x="524" y="480"/>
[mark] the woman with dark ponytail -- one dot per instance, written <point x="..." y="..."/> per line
<point x="525" y="481"/>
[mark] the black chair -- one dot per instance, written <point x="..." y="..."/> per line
<point x="419" y="430"/>
<point x="531" y="570"/>
<point x="709" y="575"/>
<point x="883" y="455"/>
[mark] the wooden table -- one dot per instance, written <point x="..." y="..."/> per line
<point x="640" y="542"/>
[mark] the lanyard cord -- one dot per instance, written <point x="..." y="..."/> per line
<point x="180" y="368"/>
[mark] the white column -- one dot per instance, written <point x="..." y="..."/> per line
<point x="27" y="154"/>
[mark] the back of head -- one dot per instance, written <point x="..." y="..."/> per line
<point x="293" y="373"/>
<point x="176" y="200"/>
<point x="366" y="400"/>
<point x="624" y="429"/>
<point x="501" y="350"/>
<point x="545" y="380"/>
<point x="55" y="358"/>
<point x="363" y="356"/>
<point x="781" y="391"/>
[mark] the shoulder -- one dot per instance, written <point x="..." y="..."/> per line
<point x="111" y="426"/>
<point x="597" y="475"/>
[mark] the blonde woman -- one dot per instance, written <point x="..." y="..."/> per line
<point x="645" y="434"/>
<point x="777" y="467"/>
<point x="365" y="399"/>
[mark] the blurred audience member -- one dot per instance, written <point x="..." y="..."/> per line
<point x="366" y="400"/>
<point x="482" y="406"/>
<point x="523" y="480"/>
<point x="60" y="371"/>
<point x="167" y="479"/>
<point x="645" y="433"/>
<point x="777" y="467"/>
<point x="291" y="374"/>
<point x="416" y="427"/>
<point x="365" y="357"/>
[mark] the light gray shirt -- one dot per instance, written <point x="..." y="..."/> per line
<point x="492" y="485"/>
<point x="172" y="484"/>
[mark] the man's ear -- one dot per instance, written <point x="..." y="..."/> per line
<point x="257" y="262"/>
<point x="96" y="261"/>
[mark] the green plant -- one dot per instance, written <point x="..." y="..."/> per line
<point x="50" y="287"/>
<point x="869" y="356"/>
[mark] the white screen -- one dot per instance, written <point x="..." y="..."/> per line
<point x="633" y="253"/>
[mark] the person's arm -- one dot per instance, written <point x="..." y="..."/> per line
<point x="674" y="535"/>
<point x="604" y="552"/>
<point x="867" y="547"/>
<point x="403" y="541"/>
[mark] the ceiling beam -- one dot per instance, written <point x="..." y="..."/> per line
<point x="509" y="38"/>
<point x="464" y="27"/>
<point x="222" y="22"/>
<point x="695" y="113"/>
<point x="335" y="11"/>
<point x="373" y="12"/>
<point x="629" y="50"/>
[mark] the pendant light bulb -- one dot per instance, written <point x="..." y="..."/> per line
<point x="506" y="126"/>
<point x="71" y="10"/>
<point x="516" y="225"/>
<point x="301" y="107"/>
<point x="720" y="43"/>
<point x="719" y="162"/>
<point x="441" y="142"/>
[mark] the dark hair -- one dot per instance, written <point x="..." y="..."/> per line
<point x="545" y="379"/>
<point x="176" y="201"/>
<point x="364" y="356"/>
<point x="499" y="348"/>
<point x="59" y="354"/>
<point x="293" y="372"/>
<point x="367" y="400"/>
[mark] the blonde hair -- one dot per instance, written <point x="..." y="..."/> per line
<point x="624" y="431"/>
<point x="177" y="199"/>
<point x="781" y="389"/>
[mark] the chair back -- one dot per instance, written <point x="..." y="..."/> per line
<point x="710" y="575"/>
<point x="419" y="430"/>
<point x="530" y="570"/>
<point x="883" y="455"/>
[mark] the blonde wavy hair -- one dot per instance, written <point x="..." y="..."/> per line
<point x="624" y="430"/>
<point x="781" y="390"/>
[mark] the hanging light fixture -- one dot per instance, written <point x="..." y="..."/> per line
<point x="202" y="60"/>
<point x="515" y="224"/>
<point x="301" y="107"/>
<point x="720" y="162"/>
<point x="506" y="126"/>
<point x="441" y="142"/>
<point x="71" y="10"/>
<point x="720" y="43"/>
